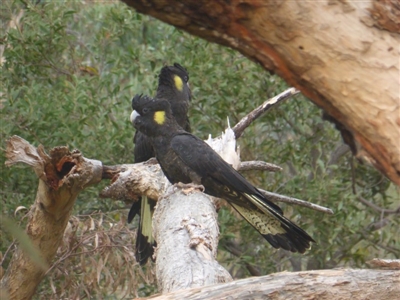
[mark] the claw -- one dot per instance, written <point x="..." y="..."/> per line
<point x="188" y="188"/>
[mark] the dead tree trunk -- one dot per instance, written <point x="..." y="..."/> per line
<point x="343" y="55"/>
<point x="62" y="176"/>
<point x="321" y="285"/>
<point x="187" y="235"/>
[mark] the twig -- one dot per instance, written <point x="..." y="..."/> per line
<point x="377" y="208"/>
<point x="6" y="253"/>
<point x="280" y="198"/>
<point x="378" y="225"/>
<point x="247" y="120"/>
<point x="392" y="264"/>
<point x="258" y="165"/>
<point x="66" y="255"/>
<point x="365" y="234"/>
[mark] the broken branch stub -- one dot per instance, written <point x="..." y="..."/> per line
<point x="62" y="176"/>
<point x="131" y="180"/>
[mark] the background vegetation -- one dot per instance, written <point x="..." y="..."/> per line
<point x="68" y="72"/>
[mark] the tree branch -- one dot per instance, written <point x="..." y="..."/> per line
<point x="62" y="176"/>
<point x="148" y="179"/>
<point x="280" y="198"/>
<point x="256" y="113"/>
<point x="391" y="264"/>
<point x="131" y="180"/>
<point x="377" y="208"/>
<point x="258" y="165"/>
<point x="322" y="284"/>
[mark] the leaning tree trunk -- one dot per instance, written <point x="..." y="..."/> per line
<point x="343" y="55"/>
<point x="62" y="176"/>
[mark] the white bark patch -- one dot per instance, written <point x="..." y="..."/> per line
<point x="186" y="230"/>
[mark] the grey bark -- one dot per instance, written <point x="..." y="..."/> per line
<point x="62" y="176"/>
<point x="186" y="230"/>
<point x="341" y="284"/>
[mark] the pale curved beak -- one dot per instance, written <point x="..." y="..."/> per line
<point x="134" y="115"/>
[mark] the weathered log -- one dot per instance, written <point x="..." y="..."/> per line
<point x="352" y="284"/>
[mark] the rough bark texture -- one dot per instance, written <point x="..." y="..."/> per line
<point x="62" y="175"/>
<point x="131" y="180"/>
<point x="332" y="51"/>
<point x="323" y="284"/>
<point x="186" y="229"/>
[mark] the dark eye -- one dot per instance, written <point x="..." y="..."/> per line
<point x="145" y="110"/>
<point x="186" y="79"/>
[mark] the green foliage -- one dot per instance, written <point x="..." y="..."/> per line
<point x="69" y="70"/>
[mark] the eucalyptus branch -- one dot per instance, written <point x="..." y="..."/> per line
<point x="258" y="165"/>
<point x="256" y="113"/>
<point x="281" y="198"/>
<point x="377" y="208"/>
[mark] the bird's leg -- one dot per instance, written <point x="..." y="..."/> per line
<point x="188" y="188"/>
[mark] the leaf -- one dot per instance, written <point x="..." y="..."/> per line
<point x="24" y="242"/>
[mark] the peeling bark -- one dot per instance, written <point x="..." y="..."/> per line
<point x="62" y="176"/>
<point x="131" y="180"/>
<point x="322" y="284"/>
<point x="330" y="50"/>
<point x="186" y="229"/>
<point x="386" y="14"/>
<point x="392" y="264"/>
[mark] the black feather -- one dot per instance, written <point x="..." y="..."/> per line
<point x="185" y="158"/>
<point x="179" y="102"/>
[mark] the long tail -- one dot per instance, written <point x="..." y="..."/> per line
<point x="145" y="240"/>
<point x="279" y="231"/>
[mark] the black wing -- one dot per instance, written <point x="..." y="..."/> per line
<point x="143" y="148"/>
<point x="221" y="180"/>
<point x="214" y="171"/>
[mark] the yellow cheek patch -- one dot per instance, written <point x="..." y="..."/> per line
<point x="159" y="117"/>
<point x="178" y="83"/>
